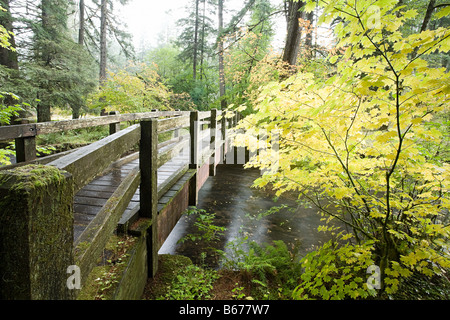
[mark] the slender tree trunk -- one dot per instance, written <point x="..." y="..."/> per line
<point x="202" y="50"/>
<point x="197" y="23"/>
<point x="43" y="107"/>
<point x="103" y="49"/>
<point x="82" y="24"/>
<point x="76" y="107"/>
<point x="293" y="37"/>
<point x="221" y="58"/>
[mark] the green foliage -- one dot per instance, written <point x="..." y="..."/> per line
<point x="207" y="231"/>
<point x="137" y="88"/>
<point x="207" y="235"/>
<point x="192" y="283"/>
<point x="76" y="137"/>
<point x="4" y="156"/>
<point x="7" y="111"/>
<point x="362" y="143"/>
<point x="60" y="72"/>
<point x="336" y="272"/>
<point x="273" y="269"/>
<point x="247" y="51"/>
<point x="5" y="35"/>
<point x="115" y="259"/>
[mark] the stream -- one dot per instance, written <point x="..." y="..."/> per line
<point x="236" y="205"/>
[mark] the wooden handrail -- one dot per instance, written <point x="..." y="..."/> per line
<point x="90" y="161"/>
<point x="25" y="134"/>
<point x="35" y="129"/>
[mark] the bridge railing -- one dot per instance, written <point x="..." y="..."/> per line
<point x="25" y="135"/>
<point x="201" y="132"/>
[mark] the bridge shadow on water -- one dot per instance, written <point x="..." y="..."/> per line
<point x="229" y="195"/>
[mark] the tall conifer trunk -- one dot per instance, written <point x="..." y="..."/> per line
<point x="103" y="53"/>
<point x="221" y="58"/>
<point x="81" y="29"/>
<point x="196" y="28"/>
<point x="43" y="107"/>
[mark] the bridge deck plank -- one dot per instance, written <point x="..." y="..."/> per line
<point x="90" y="199"/>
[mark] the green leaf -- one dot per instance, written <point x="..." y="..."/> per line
<point x="310" y="6"/>
<point x="445" y="11"/>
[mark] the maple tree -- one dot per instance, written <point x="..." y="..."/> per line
<point x="364" y="143"/>
<point x="136" y="88"/>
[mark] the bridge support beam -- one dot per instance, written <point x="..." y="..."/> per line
<point x="148" y="162"/>
<point x="36" y="233"/>
<point x="194" y="156"/>
<point x="215" y="152"/>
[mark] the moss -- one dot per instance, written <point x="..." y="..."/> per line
<point x="36" y="224"/>
<point x="32" y="176"/>
<point x="91" y="287"/>
<point x="80" y="249"/>
<point x="103" y="280"/>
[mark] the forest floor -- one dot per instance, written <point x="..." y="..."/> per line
<point x="228" y="285"/>
<point x="224" y="284"/>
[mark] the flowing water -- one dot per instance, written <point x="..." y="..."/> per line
<point x="229" y="195"/>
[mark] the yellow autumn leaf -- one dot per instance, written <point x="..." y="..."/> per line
<point x="385" y="137"/>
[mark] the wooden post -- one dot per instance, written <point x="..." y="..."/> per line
<point x="213" y="143"/>
<point x="240" y="152"/>
<point x="26" y="146"/>
<point x="235" y="121"/>
<point x="36" y="234"/>
<point x="148" y="161"/>
<point x="194" y="156"/>
<point x="114" y="127"/>
<point x="224" y="137"/>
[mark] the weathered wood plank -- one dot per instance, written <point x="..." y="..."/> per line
<point x="100" y="194"/>
<point x="25" y="149"/>
<point x="214" y="142"/>
<point x="90" y="161"/>
<point x="52" y="127"/>
<point x="204" y="115"/>
<point x="149" y="187"/>
<point x="176" y="202"/>
<point x="172" y="152"/>
<point x="163" y="145"/>
<point x="83" y="209"/>
<point x="31" y="130"/>
<point x="172" y="123"/>
<point x="194" y="138"/>
<point x="171" y="180"/>
<point x="92" y="188"/>
<point x="17" y="131"/>
<point x="90" y="201"/>
<point x="92" y="241"/>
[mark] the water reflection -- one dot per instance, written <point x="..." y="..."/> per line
<point x="229" y="195"/>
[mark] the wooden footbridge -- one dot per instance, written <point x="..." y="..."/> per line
<point x="58" y="213"/>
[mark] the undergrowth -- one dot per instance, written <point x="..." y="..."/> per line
<point x="249" y="270"/>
